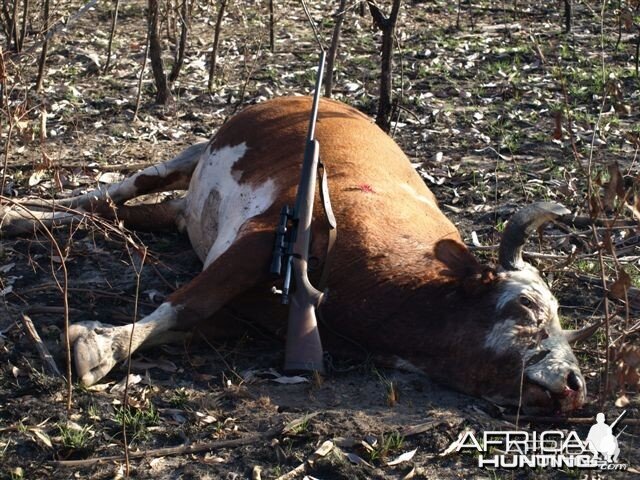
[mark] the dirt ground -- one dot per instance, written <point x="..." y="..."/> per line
<point x="496" y="113"/>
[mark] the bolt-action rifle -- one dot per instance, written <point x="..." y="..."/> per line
<point x="291" y="253"/>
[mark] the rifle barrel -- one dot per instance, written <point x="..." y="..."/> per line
<point x="311" y="132"/>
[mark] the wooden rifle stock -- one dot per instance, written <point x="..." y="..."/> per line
<point x="304" y="348"/>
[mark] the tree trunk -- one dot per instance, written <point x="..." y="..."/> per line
<point x="567" y="15"/>
<point x="23" y="30"/>
<point x="272" y="27"/>
<point x="114" y="24"/>
<point x="216" y="40"/>
<point x="333" y="49"/>
<point x="387" y="25"/>
<point x="45" y="46"/>
<point x="163" y="94"/>
<point x="185" y="19"/>
<point x="13" y="29"/>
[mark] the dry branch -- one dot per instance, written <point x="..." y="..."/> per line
<point x="48" y="362"/>
<point x="179" y="450"/>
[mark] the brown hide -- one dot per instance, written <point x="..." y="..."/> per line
<point x="386" y="288"/>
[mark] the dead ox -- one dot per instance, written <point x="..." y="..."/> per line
<point x="401" y="281"/>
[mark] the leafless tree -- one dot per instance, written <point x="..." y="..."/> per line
<point x="185" y="22"/>
<point x="163" y="93"/>
<point x="567" y="15"/>
<point x="333" y="49"/>
<point x="23" y="29"/>
<point x="387" y="25"/>
<point x="45" y="45"/>
<point x="216" y="40"/>
<point x="114" y="23"/>
<point x="272" y="27"/>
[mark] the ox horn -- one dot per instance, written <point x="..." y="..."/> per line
<point x="575" y="336"/>
<point x="523" y="223"/>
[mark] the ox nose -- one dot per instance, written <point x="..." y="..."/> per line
<point x="574" y="382"/>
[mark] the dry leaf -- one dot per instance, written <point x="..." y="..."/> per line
<point x="557" y="131"/>
<point x="631" y="355"/>
<point x="622" y="401"/>
<point x="119" y="387"/>
<point x="42" y="436"/>
<point x="356" y="460"/>
<point x="324" y="449"/>
<point x="36" y="177"/>
<point x="451" y="448"/>
<point x="405" y="457"/>
<point x="614" y="187"/>
<point x="110" y="177"/>
<point x="619" y="288"/>
<point x="291" y="380"/>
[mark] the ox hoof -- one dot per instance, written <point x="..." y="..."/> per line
<point x="97" y="349"/>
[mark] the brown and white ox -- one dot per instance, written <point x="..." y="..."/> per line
<point x="401" y="281"/>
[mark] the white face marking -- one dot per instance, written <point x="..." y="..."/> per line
<point x="414" y="194"/>
<point x="218" y="205"/>
<point x="525" y="282"/>
<point x="547" y="357"/>
<point x="510" y="333"/>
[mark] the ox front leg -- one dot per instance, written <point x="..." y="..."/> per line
<point x="99" y="347"/>
<point x="29" y="215"/>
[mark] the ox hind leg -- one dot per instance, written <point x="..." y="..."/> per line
<point x="245" y="264"/>
<point x="28" y="215"/>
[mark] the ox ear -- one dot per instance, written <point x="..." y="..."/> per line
<point x="463" y="265"/>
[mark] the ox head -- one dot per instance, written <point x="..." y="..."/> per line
<point x="522" y="354"/>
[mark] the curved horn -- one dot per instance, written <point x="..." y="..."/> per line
<point x="523" y="223"/>
<point x="575" y="336"/>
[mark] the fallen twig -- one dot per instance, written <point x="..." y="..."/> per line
<point x="47" y="309"/>
<point x="420" y="428"/>
<point x="321" y="451"/>
<point x="47" y="359"/>
<point x="167" y="451"/>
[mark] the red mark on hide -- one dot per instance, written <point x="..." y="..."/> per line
<point x="366" y="188"/>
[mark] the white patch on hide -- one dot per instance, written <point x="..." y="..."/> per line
<point x="525" y="282"/>
<point x="218" y="205"/>
<point x="414" y="194"/>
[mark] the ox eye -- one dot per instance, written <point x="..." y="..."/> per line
<point x="525" y="301"/>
